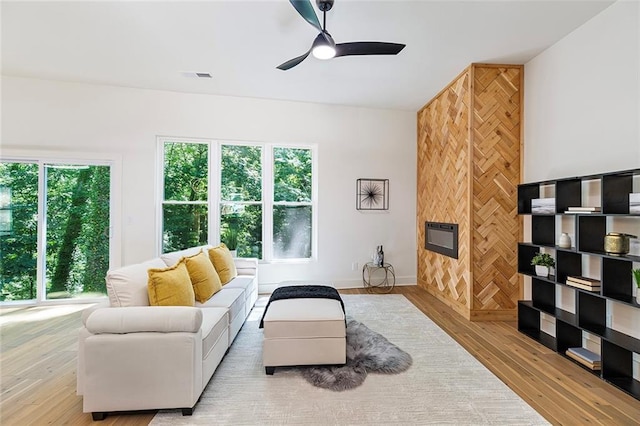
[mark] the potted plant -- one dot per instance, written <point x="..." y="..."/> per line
<point x="542" y="262"/>
<point x="636" y="275"/>
<point x="230" y="239"/>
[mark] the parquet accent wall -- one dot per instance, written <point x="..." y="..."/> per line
<point x="443" y="190"/>
<point x="469" y="148"/>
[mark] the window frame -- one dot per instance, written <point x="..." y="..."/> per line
<point x="261" y="203"/>
<point x="42" y="159"/>
<point x="160" y="201"/>
<point x="313" y="203"/>
<point x="214" y="192"/>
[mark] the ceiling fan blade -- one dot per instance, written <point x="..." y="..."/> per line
<point x="368" y="48"/>
<point x="305" y="9"/>
<point x="293" y="62"/>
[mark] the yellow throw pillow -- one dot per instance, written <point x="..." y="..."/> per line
<point x="223" y="262"/>
<point x="170" y="286"/>
<point x="204" y="278"/>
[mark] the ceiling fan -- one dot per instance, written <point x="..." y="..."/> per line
<point x="324" y="47"/>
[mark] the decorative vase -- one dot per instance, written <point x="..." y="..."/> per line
<point x="565" y="240"/>
<point x="234" y="253"/>
<point x="542" y="271"/>
<point x="638" y="296"/>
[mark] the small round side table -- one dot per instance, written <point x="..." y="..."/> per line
<point x="378" y="279"/>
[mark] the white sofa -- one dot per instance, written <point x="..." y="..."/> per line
<point x="132" y="356"/>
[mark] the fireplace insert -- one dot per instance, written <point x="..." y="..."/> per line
<point x="441" y="238"/>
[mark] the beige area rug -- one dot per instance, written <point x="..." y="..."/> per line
<point x="445" y="384"/>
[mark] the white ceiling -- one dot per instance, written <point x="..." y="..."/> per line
<point x="149" y="44"/>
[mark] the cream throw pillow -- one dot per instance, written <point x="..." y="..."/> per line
<point x="170" y="286"/>
<point x="223" y="262"/>
<point x="204" y="278"/>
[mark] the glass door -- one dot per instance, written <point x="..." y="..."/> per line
<point x="54" y="230"/>
<point x="77" y="230"/>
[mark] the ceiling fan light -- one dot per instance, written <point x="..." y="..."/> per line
<point x="323" y="51"/>
<point x="323" y="46"/>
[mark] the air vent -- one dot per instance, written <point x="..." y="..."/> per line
<point x="191" y="74"/>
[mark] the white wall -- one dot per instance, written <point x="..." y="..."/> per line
<point x="582" y="99"/>
<point x="352" y="143"/>
<point x="582" y="116"/>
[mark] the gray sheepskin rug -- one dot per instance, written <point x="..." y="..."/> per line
<point x="367" y="351"/>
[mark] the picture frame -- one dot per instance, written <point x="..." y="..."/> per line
<point x="372" y="194"/>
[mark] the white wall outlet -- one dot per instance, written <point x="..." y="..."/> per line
<point x="354" y="266"/>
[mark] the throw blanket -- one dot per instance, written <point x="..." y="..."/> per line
<point x="303" y="292"/>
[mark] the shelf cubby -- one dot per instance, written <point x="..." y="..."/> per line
<point x="543" y="295"/>
<point x="529" y="324"/>
<point x="567" y="263"/>
<point x="591" y="232"/>
<point x="616" y="280"/>
<point x="592" y="313"/>
<point x="567" y="336"/>
<point x="568" y="194"/>
<point x="617" y="368"/>
<point x="543" y="230"/>
<point x="526" y="193"/>
<point x="525" y="254"/>
<point x="615" y="193"/>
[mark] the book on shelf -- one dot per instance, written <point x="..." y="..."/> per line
<point x="583" y="209"/>
<point x="583" y="280"/>
<point x="585" y="357"/>
<point x="585" y="354"/>
<point x="591" y="366"/>
<point x="582" y="286"/>
<point x="580" y="212"/>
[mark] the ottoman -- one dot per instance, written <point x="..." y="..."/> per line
<point x="304" y="332"/>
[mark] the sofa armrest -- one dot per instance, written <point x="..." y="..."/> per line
<point x="137" y="319"/>
<point x="91" y="309"/>
<point x="246" y="265"/>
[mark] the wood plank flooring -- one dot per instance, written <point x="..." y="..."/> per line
<point x="38" y="369"/>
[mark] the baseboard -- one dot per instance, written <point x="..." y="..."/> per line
<point x="267" y="288"/>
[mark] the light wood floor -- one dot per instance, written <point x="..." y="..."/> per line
<point x="38" y="361"/>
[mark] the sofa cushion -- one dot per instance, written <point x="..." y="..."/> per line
<point x="223" y="262"/>
<point x="140" y="319"/>
<point x="246" y="265"/>
<point x="127" y="286"/>
<point x="173" y="257"/>
<point x="204" y="278"/>
<point x="244" y="282"/>
<point x="215" y="322"/>
<point x="230" y="298"/>
<point x="171" y="286"/>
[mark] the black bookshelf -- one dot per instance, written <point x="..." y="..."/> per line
<point x="591" y="307"/>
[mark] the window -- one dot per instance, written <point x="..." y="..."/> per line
<point x="67" y="205"/>
<point x="185" y="209"/>
<point x="292" y="207"/>
<point x="241" y="199"/>
<point x="258" y="199"/>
